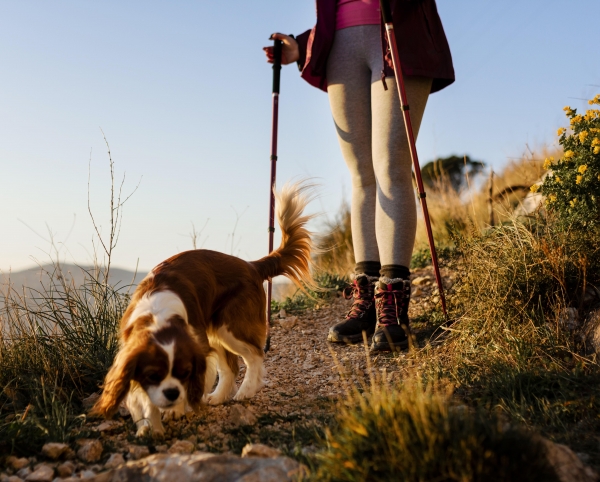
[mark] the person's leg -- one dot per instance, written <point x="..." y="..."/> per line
<point x="349" y="80"/>
<point x="396" y="216"/>
<point x="349" y="90"/>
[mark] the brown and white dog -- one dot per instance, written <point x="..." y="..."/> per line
<point x="191" y="318"/>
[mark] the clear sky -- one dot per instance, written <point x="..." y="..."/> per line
<point x="183" y="94"/>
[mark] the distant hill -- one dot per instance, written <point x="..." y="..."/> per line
<point x="39" y="277"/>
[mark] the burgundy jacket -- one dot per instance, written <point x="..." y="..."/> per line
<point x="422" y="44"/>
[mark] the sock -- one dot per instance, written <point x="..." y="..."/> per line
<point x="370" y="268"/>
<point x="394" y="271"/>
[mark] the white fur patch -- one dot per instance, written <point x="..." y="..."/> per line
<point x="162" y="305"/>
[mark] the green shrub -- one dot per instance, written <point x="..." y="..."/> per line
<point x="573" y="188"/>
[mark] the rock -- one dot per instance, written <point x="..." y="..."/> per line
<point x="260" y="450"/>
<point x="66" y="469"/>
<point x="88" y="402"/>
<point x="114" y="461"/>
<point x="206" y="468"/>
<point x="591" y="332"/>
<point x="90" y="450"/>
<point x="44" y="473"/>
<point x="87" y="474"/>
<point x="137" y="452"/>
<point x="568" y="466"/>
<point x="282" y="313"/>
<point x="14" y="478"/>
<point x="181" y="447"/>
<point x="240" y="416"/>
<point x="417" y="292"/>
<point x="17" y="463"/>
<point x="108" y="426"/>
<point x="568" y="318"/>
<point x="289" y="322"/>
<point x="421" y="280"/>
<point x="54" y="450"/>
<point x="24" y="472"/>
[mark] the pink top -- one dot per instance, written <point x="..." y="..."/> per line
<point x="351" y="13"/>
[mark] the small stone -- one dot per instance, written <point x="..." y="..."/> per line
<point x="87" y="474"/>
<point x="17" y="463"/>
<point x="88" y="402"/>
<point x="108" y="426"/>
<point x="282" y="313"/>
<point x="24" y="472"/>
<point x="162" y="449"/>
<point x="181" y="447"/>
<point x="54" y="450"/>
<point x="260" y="450"/>
<point x="420" y="280"/>
<point x="137" y="452"/>
<point x="240" y="416"/>
<point x="90" y="450"/>
<point x="417" y="292"/>
<point x="44" y="473"/>
<point x="114" y="461"/>
<point x="289" y="322"/>
<point x="14" y="478"/>
<point x="66" y="469"/>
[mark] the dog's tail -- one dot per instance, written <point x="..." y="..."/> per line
<point x="292" y="258"/>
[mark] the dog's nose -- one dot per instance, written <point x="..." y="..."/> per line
<point x="171" y="393"/>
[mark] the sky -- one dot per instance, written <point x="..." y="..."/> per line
<point x="182" y="93"/>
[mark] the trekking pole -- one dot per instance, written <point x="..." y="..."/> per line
<point x="277" y="45"/>
<point x="391" y="37"/>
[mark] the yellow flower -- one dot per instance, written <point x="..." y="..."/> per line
<point x="582" y="168"/>
<point x="596" y="142"/>
<point x="568" y="110"/>
<point x="552" y="197"/>
<point x="597" y="150"/>
<point x="583" y="136"/>
<point x="561" y="131"/>
<point x="569" y="154"/>
<point x="579" y="179"/>
<point x="557" y="179"/>
<point x="534" y="188"/>
<point x="592" y="114"/>
<point x="575" y="120"/>
<point x="573" y="202"/>
<point x="548" y="162"/>
<point x="595" y="100"/>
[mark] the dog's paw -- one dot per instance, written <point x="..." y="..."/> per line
<point x="216" y="399"/>
<point x="170" y="415"/>
<point x="143" y="431"/>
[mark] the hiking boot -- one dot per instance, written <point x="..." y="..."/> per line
<point x="391" y="302"/>
<point x="361" y="316"/>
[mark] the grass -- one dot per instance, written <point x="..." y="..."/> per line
<point x="57" y="344"/>
<point x="414" y="433"/>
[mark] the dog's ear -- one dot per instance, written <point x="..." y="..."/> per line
<point x="116" y="384"/>
<point x="195" y="389"/>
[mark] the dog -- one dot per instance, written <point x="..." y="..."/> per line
<point x="190" y="319"/>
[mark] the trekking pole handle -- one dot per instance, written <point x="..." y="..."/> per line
<point x="277" y="47"/>
<point x="386" y="11"/>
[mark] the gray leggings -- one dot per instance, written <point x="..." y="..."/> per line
<point x="372" y="136"/>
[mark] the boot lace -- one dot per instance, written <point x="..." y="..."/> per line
<point x="392" y="303"/>
<point x="363" y="298"/>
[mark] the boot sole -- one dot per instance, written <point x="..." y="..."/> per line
<point x="347" y="339"/>
<point x="385" y="346"/>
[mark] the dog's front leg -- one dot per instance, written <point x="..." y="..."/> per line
<point x="144" y="413"/>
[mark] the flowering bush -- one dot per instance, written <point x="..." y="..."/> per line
<point x="572" y="189"/>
